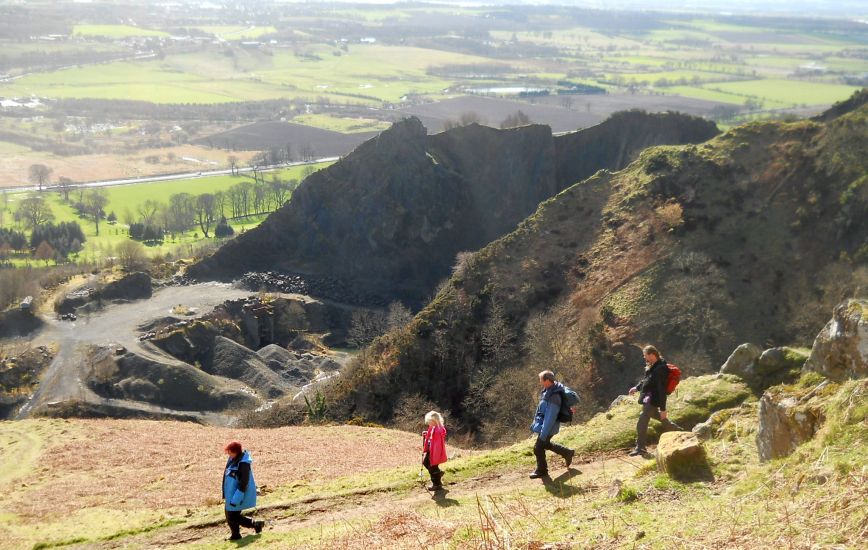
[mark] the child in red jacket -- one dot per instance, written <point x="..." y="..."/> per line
<point x="434" y="447"/>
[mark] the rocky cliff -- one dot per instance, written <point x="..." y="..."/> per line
<point x="752" y="236"/>
<point x="390" y="218"/>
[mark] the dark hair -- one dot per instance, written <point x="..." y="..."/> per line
<point x="547" y="375"/>
<point x="652" y="350"/>
<point x="233" y="447"/>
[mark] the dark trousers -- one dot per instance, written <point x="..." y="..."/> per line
<point x="649" y="411"/>
<point x="433" y="471"/>
<point x="236" y="521"/>
<point x="539" y="451"/>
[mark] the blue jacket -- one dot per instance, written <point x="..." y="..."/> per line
<point x="239" y="498"/>
<point x="545" y="421"/>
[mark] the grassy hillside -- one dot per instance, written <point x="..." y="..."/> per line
<point x="157" y="486"/>
<point x="751" y="236"/>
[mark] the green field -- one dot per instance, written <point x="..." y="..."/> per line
<point x="341" y="124"/>
<point x="114" y="31"/>
<point x="237" y="32"/>
<point x="789" y="92"/>
<point x="367" y="73"/>
<point x="123" y="197"/>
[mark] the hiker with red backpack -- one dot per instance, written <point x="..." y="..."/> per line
<point x="547" y="421"/>
<point x="659" y="381"/>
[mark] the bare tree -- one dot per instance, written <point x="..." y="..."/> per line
<point x="95" y="202"/>
<point x="39" y="175"/>
<point x="205" y="212"/>
<point x="131" y="255"/>
<point x="148" y="210"/>
<point x="44" y="252"/>
<point x="64" y="186"/>
<point x="519" y="118"/>
<point x="35" y="212"/>
<point x="233" y="164"/>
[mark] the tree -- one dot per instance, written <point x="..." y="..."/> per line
<point x="180" y="213"/>
<point x="131" y="255"/>
<point x="44" y="252"/>
<point x="205" y="212"/>
<point x="39" y="175"/>
<point x="223" y="229"/>
<point x="519" y="118"/>
<point x="148" y="210"/>
<point x="94" y="202"/>
<point x="112" y="217"/>
<point x="35" y="212"/>
<point x="64" y="186"/>
<point x="233" y="164"/>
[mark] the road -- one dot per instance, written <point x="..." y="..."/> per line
<point x="117" y="325"/>
<point x="181" y="176"/>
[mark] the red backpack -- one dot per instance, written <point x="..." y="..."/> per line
<point x="674" y="378"/>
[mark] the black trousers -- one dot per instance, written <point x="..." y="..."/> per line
<point x="433" y="471"/>
<point x="539" y="451"/>
<point x="236" y="521"/>
<point x="649" y="411"/>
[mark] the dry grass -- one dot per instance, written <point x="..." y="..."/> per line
<point x="136" y="464"/>
<point x="396" y="530"/>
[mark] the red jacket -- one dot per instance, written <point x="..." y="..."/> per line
<point x="434" y="443"/>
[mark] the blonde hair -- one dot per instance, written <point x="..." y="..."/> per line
<point x="435" y="416"/>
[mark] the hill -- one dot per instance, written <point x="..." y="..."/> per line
<point x="110" y="484"/>
<point x="390" y="218"/>
<point x="752" y="236"/>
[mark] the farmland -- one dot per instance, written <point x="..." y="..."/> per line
<point x="126" y="200"/>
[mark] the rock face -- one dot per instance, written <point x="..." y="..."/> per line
<point x="387" y="221"/>
<point x="682" y="456"/>
<point x="785" y="422"/>
<point x="841" y="349"/>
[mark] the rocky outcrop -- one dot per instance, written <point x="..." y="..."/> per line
<point x="617" y="141"/>
<point x="682" y="456"/>
<point x="387" y="221"/>
<point x="841" y="349"/>
<point x="785" y="422"/>
<point x="134" y="286"/>
<point x="763" y="369"/>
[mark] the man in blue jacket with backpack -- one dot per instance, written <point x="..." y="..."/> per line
<point x="546" y="424"/>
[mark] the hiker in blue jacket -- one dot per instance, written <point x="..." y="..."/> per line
<point x="652" y="397"/>
<point x="239" y="490"/>
<point x="546" y="425"/>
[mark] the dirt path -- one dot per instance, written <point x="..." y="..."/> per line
<point x="580" y="479"/>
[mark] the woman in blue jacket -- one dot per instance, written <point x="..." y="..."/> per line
<point x="239" y="490"/>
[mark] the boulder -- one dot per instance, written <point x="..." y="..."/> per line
<point x="708" y="429"/>
<point x="740" y="362"/>
<point x="840" y="350"/>
<point x="785" y="422"/>
<point x="682" y="456"/>
<point x="762" y="369"/>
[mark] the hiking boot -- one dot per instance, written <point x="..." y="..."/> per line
<point x="537" y="475"/>
<point x="637" y="452"/>
<point x="569" y="458"/>
<point x="258" y="525"/>
<point x="434" y="488"/>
